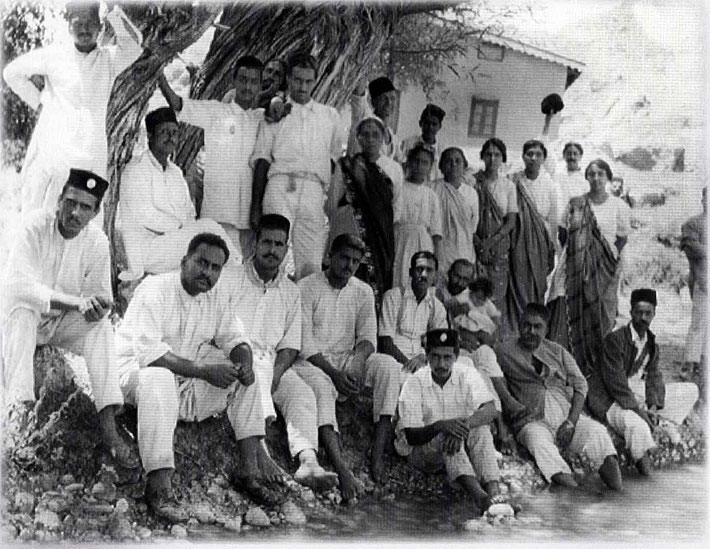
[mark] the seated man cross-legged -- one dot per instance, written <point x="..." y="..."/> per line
<point x="545" y="401"/>
<point x="171" y="370"/>
<point x="445" y="414"/>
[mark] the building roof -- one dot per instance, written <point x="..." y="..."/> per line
<point x="534" y="51"/>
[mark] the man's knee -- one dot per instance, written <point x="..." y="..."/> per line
<point x="154" y="381"/>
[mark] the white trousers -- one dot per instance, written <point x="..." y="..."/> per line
<point x="301" y="201"/>
<point x="245" y="238"/>
<point x="24" y="329"/>
<point x="696" y="340"/>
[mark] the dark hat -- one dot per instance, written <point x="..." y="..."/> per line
<point x="442" y="338"/>
<point x="87" y="181"/>
<point x="379" y="86"/>
<point x="159" y="116"/>
<point x="552" y="104"/>
<point x="275" y="221"/>
<point x="643" y="294"/>
<point x="434" y="110"/>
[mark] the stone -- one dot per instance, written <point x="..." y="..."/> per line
<point x="476" y="525"/>
<point x="233" y="524"/>
<point x="121" y="506"/>
<point x="47" y="519"/>
<point x="203" y="512"/>
<point x="308" y="495"/>
<point x="57" y="504"/>
<point x="275" y="520"/>
<point x="26" y="534"/>
<point x="67" y="479"/>
<point x="120" y="527"/>
<point x="143" y="533"/>
<point x="104" y="491"/>
<point x="500" y="510"/>
<point x="178" y="531"/>
<point x="293" y="514"/>
<point x="99" y="508"/>
<point x="75" y="487"/>
<point x="256" y="517"/>
<point x="24" y="502"/>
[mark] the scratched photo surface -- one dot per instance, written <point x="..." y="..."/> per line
<point x="354" y="271"/>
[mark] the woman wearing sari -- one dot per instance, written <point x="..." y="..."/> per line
<point x="459" y="209"/>
<point x="583" y="293"/>
<point x="364" y="199"/>
<point x="498" y="209"/>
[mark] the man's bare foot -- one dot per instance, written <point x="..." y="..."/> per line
<point x="315" y="477"/>
<point x="270" y="471"/>
<point x="564" y="479"/>
<point x="644" y="466"/>
<point x="378" y="469"/>
<point x="350" y="487"/>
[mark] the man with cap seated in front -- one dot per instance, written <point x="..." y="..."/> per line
<point x="183" y="355"/>
<point x="544" y="405"/>
<point x="57" y="290"/>
<point x="156" y="214"/>
<point x="445" y="413"/>
<point x="383" y="99"/>
<point x="430" y="122"/>
<point x="626" y="387"/>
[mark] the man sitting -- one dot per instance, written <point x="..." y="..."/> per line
<point x="445" y="410"/>
<point x="57" y="290"/>
<point x="540" y="375"/>
<point x="628" y="374"/>
<point x="170" y="370"/>
<point x="339" y="335"/>
<point x="156" y="215"/>
<point x="454" y="295"/>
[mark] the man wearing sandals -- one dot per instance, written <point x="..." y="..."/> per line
<point x="445" y="413"/>
<point x="57" y="290"/>
<point x="170" y="369"/>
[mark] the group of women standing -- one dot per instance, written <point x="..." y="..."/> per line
<point x="531" y="237"/>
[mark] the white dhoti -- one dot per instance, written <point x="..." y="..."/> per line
<point x="42" y="184"/>
<point x="245" y="238"/>
<point x="24" y="329"/>
<point x="635" y="431"/>
<point x="301" y="201"/>
<point x="696" y="340"/>
<point x="263" y="364"/>
<point x="679" y="401"/>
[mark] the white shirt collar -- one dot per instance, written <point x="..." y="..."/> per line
<point x="639" y="341"/>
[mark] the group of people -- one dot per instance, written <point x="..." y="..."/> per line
<point x="429" y="291"/>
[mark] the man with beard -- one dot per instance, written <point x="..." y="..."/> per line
<point x="57" y="290"/>
<point x="383" y="99"/>
<point x="183" y="355"/>
<point x="230" y="134"/>
<point x="156" y="215"/>
<point x="628" y="375"/>
<point x="545" y="417"/>
<point x="455" y="294"/>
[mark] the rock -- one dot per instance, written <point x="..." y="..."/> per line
<point x="57" y="504"/>
<point x="275" y="520"/>
<point x="26" y="534"/>
<point x="99" y="509"/>
<point x="67" y="479"/>
<point x="256" y="517"/>
<point x="178" y="531"/>
<point x="24" y="502"/>
<point x="233" y="524"/>
<point x="476" y="525"/>
<point x="143" y="533"/>
<point x="75" y="487"/>
<point x="120" y="527"/>
<point x="121" y="506"/>
<point x="204" y="513"/>
<point x="221" y="481"/>
<point x="308" y="495"/>
<point x="104" y="491"/>
<point x="215" y="491"/>
<point x="293" y="514"/>
<point x="47" y="519"/>
<point x="500" y="510"/>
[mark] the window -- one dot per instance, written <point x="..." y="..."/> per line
<point x="484" y="114"/>
<point x="490" y="52"/>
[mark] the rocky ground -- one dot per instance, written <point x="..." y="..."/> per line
<point x="58" y="485"/>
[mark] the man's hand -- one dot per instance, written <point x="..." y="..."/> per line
<point x="643" y="414"/>
<point x="220" y="374"/>
<point x="95" y="308"/>
<point x="245" y="374"/>
<point x="38" y="81"/>
<point x="345" y="384"/>
<point x="565" y="433"/>
<point x="415" y="363"/>
<point x="454" y="427"/>
<point x="451" y="444"/>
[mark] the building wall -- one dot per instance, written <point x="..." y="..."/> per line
<point x="519" y="82"/>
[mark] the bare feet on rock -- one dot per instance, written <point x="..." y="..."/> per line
<point x="644" y="466"/>
<point x="270" y="471"/>
<point x="378" y="469"/>
<point x="564" y="479"/>
<point x="315" y="477"/>
<point x="350" y="487"/>
<point x="163" y="504"/>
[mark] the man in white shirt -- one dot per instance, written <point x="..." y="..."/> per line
<point x="72" y="83"/>
<point x="170" y="369"/>
<point x="292" y="166"/>
<point x="445" y="411"/>
<point x="156" y="214"/>
<point x="57" y="290"/>
<point x="230" y="133"/>
<point x="430" y="122"/>
<point x="383" y="100"/>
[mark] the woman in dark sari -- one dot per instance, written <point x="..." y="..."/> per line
<point x="588" y="271"/>
<point x="363" y="200"/>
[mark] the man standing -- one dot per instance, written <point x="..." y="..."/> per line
<point x="445" y="410"/>
<point x="230" y="134"/>
<point x="541" y="374"/>
<point x="156" y="214"/>
<point x="170" y="370"/>
<point x="292" y="166"/>
<point x="628" y="375"/>
<point x="57" y="289"/>
<point x="383" y="98"/>
<point x="430" y="122"/>
<point x="693" y="242"/>
<point x="72" y="84"/>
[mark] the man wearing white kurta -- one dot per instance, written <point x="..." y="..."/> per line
<point x="156" y="214"/>
<point x="170" y="370"/>
<point x="230" y="134"/>
<point x="292" y="166"/>
<point x="57" y="290"/>
<point x="72" y="83"/>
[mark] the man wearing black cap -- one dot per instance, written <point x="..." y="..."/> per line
<point x="156" y="214"/>
<point x="430" y="122"/>
<point x="445" y="412"/>
<point x="383" y="98"/>
<point x="628" y="375"/>
<point x="58" y="291"/>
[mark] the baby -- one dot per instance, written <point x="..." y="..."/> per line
<point x="483" y="316"/>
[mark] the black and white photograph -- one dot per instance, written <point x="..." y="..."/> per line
<point x="362" y="272"/>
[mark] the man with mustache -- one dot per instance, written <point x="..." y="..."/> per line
<point x="455" y="294"/>
<point x="544" y="405"/>
<point x="156" y="216"/>
<point x="57" y="290"/>
<point x="339" y="337"/>
<point x="72" y="84"/>
<point x="628" y="375"/>
<point x="183" y="355"/>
